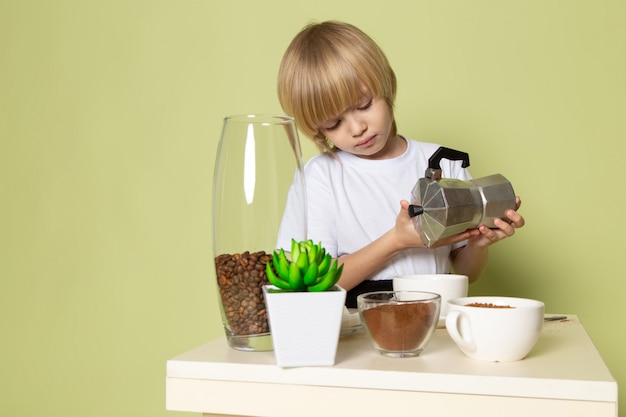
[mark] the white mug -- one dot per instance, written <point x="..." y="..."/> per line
<point x="496" y="329"/>
<point x="448" y="286"/>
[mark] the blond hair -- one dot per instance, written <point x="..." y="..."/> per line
<point x="324" y="71"/>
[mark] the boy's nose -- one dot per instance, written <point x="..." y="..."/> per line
<point x="357" y="125"/>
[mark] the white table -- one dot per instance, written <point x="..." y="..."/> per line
<point x="564" y="375"/>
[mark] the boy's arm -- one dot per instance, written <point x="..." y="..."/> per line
<point x="365" y="262"/>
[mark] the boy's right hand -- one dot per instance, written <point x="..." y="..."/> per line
<point x="408" y="236"/>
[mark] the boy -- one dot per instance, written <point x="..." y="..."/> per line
<point x="338" y="85"/>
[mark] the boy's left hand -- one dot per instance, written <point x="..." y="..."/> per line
<point x="504" y="229"/>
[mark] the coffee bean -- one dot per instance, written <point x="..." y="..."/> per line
<point x="241" y="277"/>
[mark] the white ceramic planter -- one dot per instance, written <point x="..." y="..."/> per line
<point x="305" y="326"/>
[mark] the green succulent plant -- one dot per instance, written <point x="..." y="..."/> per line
<point x="309" y="269"/>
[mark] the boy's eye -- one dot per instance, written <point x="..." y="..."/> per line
<point x="366" y="105"/>
<point x="332" y="126"/>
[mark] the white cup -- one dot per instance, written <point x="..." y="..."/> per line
<point x="498" y="329"/>
<point x="448" y="286"/>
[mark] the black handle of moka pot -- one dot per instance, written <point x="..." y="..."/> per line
<point x="447" y="153"/>
<point x="434" y="169"/>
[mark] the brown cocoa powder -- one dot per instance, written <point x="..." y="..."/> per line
<point x="487" y="305"/>
<point x="400" y="327"/>
<point x="240" y="279"/>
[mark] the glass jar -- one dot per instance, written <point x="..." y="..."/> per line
<point x="258" y="162"/>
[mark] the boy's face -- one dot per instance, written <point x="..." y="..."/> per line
<point x="363" y="130"/>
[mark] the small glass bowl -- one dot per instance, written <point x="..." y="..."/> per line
<point x="399" y="323"/>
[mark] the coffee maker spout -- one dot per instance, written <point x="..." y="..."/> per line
<point x="415" y="210"/>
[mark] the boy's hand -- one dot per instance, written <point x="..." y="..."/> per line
<point x="504" y="229"/>
<point x="410" y="238"/>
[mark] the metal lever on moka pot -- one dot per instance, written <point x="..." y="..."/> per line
<point x="446" y="206"/>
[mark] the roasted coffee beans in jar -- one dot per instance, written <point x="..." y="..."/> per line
<point x="240" y="279"/>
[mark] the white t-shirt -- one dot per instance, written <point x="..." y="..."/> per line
<point x="353" y="201"/>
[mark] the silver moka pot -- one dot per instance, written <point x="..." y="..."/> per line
<point x="446" y="206"/>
